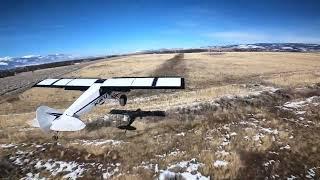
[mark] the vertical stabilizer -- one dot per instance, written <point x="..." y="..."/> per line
<point x="45" y="116"/>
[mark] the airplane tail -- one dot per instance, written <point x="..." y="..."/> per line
<point x="45" y="116"/>
<point x="52" y="120"/>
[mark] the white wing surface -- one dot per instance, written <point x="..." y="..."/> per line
<point x="118" y="84"/>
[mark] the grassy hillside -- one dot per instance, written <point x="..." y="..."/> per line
<point x="242" y="115"/>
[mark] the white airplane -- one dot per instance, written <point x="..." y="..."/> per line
<point x="96" y="92"/>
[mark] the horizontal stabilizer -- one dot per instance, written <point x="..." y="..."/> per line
<point x="67" y="123"/>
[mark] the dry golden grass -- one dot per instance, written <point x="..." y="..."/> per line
<point x="207" y="77"/>
<point x="246" y="66"/>
<point x="296" y="80"/>
<point x="137" y="65"/>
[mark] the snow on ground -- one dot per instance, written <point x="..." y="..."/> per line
<point x="24" y="155"/>
<point x="220" y="163"/>
<point x="285" y="147"/>
<point x="7" y="145"/>
<point x="222" y="153"/>
<point x="188" y="170"/>
<point x="270" y="162"/>
<point x="111" y="171"/>
<point x="98" y="142"/>
<point x="181" y="134"/>
<point x="148" y="165"/>
<point x="295" y="105"/>
<point x="292" y="177"/>
<point x="171" y="153"/>
<point x="74" y="169"/>
<point x="299" y="109"/>
<point x="31" y="176"/>
<point x="199" y="104"/>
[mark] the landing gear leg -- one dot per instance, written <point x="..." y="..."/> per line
<point x="55" y="137"/>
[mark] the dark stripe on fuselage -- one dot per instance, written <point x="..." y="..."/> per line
<point x="154" y="82"/>
<point x="89" y="103"/>
<point x="100" y="81"/>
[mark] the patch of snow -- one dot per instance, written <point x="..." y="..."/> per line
<point x="294" y="105"/>
<point x="300" y="104"/>
<point x="164" y="175"/>
<point x="272" y="152"/>
<point x="225" y="143"/>
<point x="109" y="174"/>
<point x="30" y="176"/>
<point x="99" y="142"/>
<point x="190" y="168"/>
<point x="172" y="153"/>
<point x="311" y="174"/>
<point x="226" y="127"/>
<point x="292" y="177"/>
<point x="285" y="147"/>
<point x="300" y="112"/>
<point x="233" y="134"/>
<point x="220" y="163"/>
<point x="181" y="134"/>
<point x="74" y="169"/>
<point x="7" y="145"/>
<point x="246" y="138"/>
<point x="156" y="168"/>
<point x="270" y="130"/>
<point x="270" y="162"/>
<point x="18" y="161"/>
<point x="258" y="136"/>
<point x="222" y="153"/>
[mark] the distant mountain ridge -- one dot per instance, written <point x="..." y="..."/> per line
<point x="14" y="62"/>
<point x="261" y="47"/>
<point x="28" y="60"/>
<point x="273" y="47"/>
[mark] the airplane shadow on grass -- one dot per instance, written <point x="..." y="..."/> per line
<point x="132" y="115"/>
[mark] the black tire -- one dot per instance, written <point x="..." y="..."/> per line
<point x="123" y="100"/>
<point x="55" y="137"/>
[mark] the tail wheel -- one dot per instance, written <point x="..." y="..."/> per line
<point x="55" y="137"/>
<point x="123" y="100"/>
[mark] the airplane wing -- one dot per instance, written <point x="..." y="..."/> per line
<point x="115" y="84"/>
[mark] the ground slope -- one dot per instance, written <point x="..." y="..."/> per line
<point x="242" y="116"/>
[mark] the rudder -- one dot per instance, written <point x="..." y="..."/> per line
<point x="45" y="116"/>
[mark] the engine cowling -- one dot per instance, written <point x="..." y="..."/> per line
<point x="123" y="100"/>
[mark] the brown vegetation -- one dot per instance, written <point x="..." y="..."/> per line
<point x="223" y="115"/>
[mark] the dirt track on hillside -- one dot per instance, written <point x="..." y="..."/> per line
<point x="172" y="67"/>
